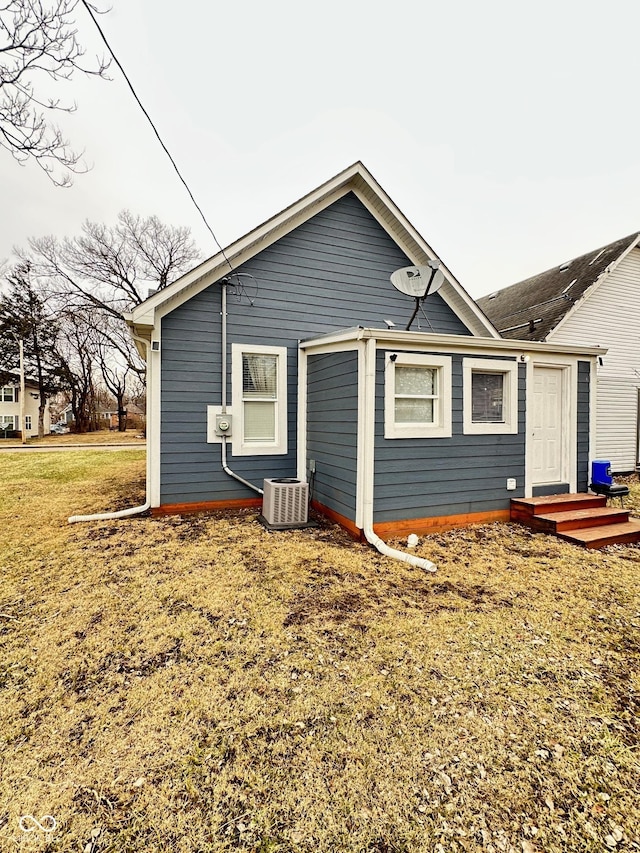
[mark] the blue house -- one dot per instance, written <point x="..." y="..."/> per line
<point x="286" y="356"/>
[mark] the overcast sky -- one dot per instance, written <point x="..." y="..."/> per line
<point x="506" y="132"/>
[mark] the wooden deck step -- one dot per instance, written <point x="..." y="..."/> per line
<point x="525" y="508"/>
<point x="607" y="534"/>
<point x="584" y="519"/>
<point x="555" y="522"/>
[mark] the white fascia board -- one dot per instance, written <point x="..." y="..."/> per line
<point x="452" y="343"/>
<point x="597" y="284"/>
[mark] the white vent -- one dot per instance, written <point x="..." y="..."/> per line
<point x="285" y="502"/>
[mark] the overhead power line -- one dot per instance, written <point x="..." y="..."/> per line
<point x="90" y="11"/>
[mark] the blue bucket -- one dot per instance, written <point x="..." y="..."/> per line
<point x="601" y="472"/>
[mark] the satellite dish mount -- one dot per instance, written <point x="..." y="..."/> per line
<point x="418" y="282"/>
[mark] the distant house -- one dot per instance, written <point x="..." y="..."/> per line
<point x="286" y="356"/>
<point x="107" y="418"/>
<point x="593" y="300"/>
<point x="10" y="409"/>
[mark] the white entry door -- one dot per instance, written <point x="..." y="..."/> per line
<point x="546" y="428"/>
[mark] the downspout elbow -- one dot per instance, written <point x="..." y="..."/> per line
<point x="419" y="562"/>
<point x="105" y="516"/>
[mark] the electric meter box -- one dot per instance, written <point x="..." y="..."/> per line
<point x="223" y="424"/>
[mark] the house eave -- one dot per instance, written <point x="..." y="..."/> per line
<point x="453" y="343"/>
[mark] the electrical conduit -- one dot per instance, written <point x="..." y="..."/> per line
<point x="223" y="383"/>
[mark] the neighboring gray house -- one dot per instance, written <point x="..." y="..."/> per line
<point x="593" y="300"/>
<point x="278" y="358"/>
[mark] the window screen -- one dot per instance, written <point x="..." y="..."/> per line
<point x="487" y="397"/>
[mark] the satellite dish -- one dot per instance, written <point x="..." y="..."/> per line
<point x="417" y="281"/>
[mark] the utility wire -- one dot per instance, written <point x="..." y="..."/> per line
<point x="87" y="6"/>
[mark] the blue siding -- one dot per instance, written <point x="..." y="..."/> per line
<point x="584" y="391"/>
<point x="332" y="413"/>
<point x="423" y="478"/>
<point x="330" y="273"/>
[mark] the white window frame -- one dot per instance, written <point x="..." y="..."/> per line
<point x="13" y="419"/>
<point x="278" y="446"/>
<point x="441" y="427"/>
<point x="509" y="370"/>
<point x="14" y="394"/>
<point x="27" y="423"/>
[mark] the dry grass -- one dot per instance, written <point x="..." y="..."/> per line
<point x="103" y="436"/>
<point x="202" y="685"/>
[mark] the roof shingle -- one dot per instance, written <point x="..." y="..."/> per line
<point x="531" y="309"/>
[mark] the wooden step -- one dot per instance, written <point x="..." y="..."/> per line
<point x="555" y="522"/>
<point x="523" y="509"/>
<point x="607" y="534"/>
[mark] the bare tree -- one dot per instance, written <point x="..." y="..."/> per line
<point x="38" y="42"/>
<point x="76" y="353"/>
<point x="112" y="268"/>
<point x="115" y="360"/>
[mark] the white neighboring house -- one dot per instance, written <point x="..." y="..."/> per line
<point x="593" y="300"/>
<point x="10" y="409"/>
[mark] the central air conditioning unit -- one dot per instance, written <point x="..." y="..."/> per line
<point x="285" y="502"/>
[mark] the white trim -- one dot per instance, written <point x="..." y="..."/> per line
<point x="301" y="464"/>
<point x="593" y="408"/>
<point x="154" y="368"/>
<point x="278" y="446"/>
<point x="366" y="433"/>
<point x="509" y="370"/>
<point x="365" y="438"/>
<point x="421" y="341"/>
<point x="441" y="427"/>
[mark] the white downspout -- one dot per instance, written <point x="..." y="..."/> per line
<point x="223" y="334"/>
<point x="368" y="435"/>
<point x="134" y="510"/>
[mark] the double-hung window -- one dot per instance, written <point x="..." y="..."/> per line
<point x="8" y="423"/>
<point x="8" y="394"/>
<point x="490" y="396"/>
<point x="417" y="396"/>
<point x="259" y="391"/>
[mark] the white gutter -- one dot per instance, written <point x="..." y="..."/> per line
<point x="134" y="510"/>
<point x="368" y="438"/>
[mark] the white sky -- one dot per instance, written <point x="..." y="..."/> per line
<point x="506" y="132"/>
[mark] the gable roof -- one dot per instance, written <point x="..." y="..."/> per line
<point x="531" y="309"/>
<point x="356" y="179"/>
<point x="13" y="380"/>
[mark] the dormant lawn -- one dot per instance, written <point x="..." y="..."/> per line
<point x="199" y="684"/>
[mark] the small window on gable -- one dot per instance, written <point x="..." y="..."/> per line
<point x="417" y="396"/>
<point x="259" y="391"/>
<point x="490" y="390"/>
